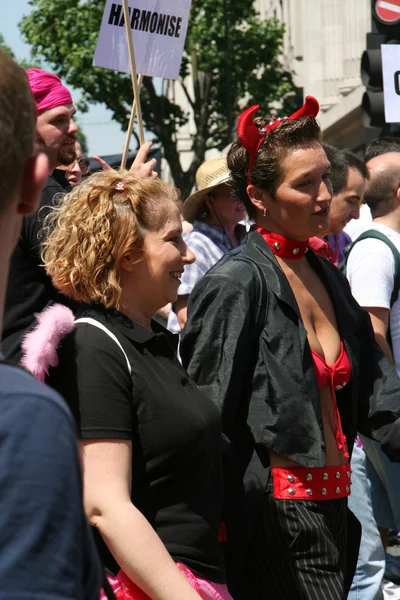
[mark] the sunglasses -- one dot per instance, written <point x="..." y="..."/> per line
<point x="84" y="165"/>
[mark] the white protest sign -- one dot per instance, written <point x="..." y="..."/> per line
<point x="391" y="81"/>
<point x="159" y="30"/>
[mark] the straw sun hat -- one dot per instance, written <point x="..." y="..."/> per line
<point x="210" y="174"/>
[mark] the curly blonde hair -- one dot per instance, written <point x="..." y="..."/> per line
<point x="90" y="230"/>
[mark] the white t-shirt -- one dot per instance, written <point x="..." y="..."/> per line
<point x="356" y="227"/>
<point x="370" y="271"/>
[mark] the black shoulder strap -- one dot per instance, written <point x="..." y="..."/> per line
<point x="107" y="588"/>
<point x="378" y="235"/>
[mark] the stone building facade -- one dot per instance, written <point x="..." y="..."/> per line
<point x="324" y="41"/>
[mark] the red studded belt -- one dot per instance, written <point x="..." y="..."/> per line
<point x="318" y="483"/>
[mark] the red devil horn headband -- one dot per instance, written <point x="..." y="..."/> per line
<point x="252" y="137"/>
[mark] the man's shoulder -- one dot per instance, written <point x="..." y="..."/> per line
<point x="392" y="235"/>
<point x="50" y="189"/>
<point x="364" y="247"/>
<point x="23" y="393"/>
<point x="41" y="497"/>
<point x="32" y="223"/>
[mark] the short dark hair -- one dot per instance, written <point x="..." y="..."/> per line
<point x="17" y="126"/>
<point x="381" y="146"/>
<point x="341" y="161"/>
<point x="380" y="194"/>
<point x="268" y="161"/>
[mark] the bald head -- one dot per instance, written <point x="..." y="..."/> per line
<point x="383" y="161"/>
<point x="383" y="190"/>
<point x="17" y="126"/>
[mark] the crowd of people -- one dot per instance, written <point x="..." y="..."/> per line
<point x="249" y="450"/>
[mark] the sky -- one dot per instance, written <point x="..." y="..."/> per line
<point x="103" y="134"/>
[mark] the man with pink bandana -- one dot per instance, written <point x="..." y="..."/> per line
<point x="56" y="130"/>
<point x="46" y="550"/>
<point x="29" y="289"/>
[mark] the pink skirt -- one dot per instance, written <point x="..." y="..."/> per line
<point x="125" y="589"/>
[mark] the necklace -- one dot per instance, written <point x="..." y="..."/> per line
<point x="282" y="246"/>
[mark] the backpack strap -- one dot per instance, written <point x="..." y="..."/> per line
<point x="378" y="235"/>
<point x="109" y="333"/>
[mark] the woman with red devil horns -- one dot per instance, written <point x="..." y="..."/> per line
<point x="275" y="338"/>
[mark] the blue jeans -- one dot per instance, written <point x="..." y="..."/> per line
<point x="371" y="559"/>
<point x="384" y="478"/>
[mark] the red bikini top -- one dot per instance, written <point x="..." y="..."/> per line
<point x="337" y="376"/>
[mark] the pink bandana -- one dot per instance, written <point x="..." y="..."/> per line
<point x="47" y="89"/>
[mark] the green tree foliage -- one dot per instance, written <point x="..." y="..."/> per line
<point x="232" y="54"/>
<point x="6" y="48"/>
<point x="25" y="64"/>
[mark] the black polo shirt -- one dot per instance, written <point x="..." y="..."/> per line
<point x="174" y="429"/>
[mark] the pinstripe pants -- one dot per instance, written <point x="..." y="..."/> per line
<point x="298" y="550"/>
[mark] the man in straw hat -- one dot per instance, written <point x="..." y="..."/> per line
<point x="215" y="211"/>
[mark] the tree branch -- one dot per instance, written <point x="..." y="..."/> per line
<point x="186" y="92"/>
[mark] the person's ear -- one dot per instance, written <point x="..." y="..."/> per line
<point x="128" y="261"/>
<point x="258" y="197"/>
<point x="34" y="175"/>
<point x="208" y="201"/>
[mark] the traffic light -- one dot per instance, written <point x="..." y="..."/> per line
<point x="372" y="106"/>
<point x="385" y="26"/>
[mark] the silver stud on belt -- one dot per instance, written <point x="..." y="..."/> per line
<point x="277" y="246"/>
<point x="325" y="476"/>
<point x="308" y="476"/>
<point x="309" y="491"/>
<point x="347" y="488"/>
<point x="290" y="478"/>
<point x="338" y="490"/>
<point x="337" y="475"/>
<point x="291" y="491"/>
<point x="323" y="491"/>
<point x="296" y="250"/>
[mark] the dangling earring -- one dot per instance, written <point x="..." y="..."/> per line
<point x="265" y="212"/>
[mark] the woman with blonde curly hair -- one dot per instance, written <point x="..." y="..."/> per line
<point x="150" y="439"/>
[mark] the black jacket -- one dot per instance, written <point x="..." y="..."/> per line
<point x="29" y="288"/>
<point x="275" y="374"/>
<point x="259" y="371"/>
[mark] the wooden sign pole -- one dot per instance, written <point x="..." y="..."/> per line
<point x="130" y="127"/>
<point x="132" y="62"/>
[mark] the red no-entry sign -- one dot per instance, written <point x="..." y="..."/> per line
<point x="388" y="11"/>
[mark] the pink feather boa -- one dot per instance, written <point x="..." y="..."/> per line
<point x="40" y="345"/>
